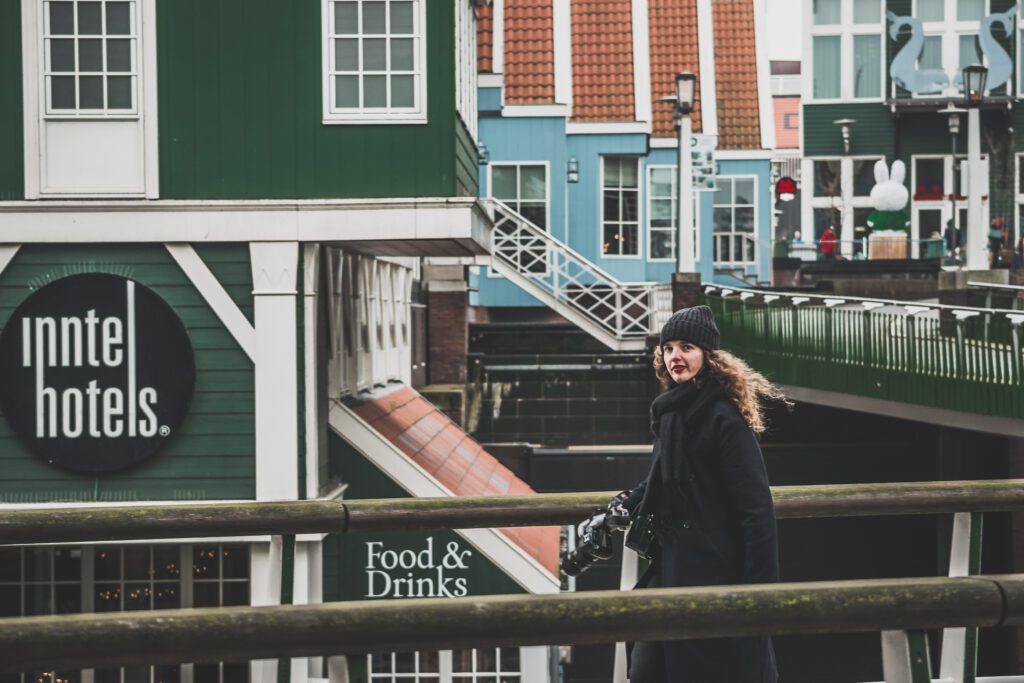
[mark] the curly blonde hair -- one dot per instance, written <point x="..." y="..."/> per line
<point x="744" y="385"/>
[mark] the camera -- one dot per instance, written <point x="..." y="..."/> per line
<point x="594" y="537"/>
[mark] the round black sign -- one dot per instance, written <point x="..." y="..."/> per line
<point x="97" y="372"/>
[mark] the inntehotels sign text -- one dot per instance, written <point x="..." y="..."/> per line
<point x="97" y="372"/>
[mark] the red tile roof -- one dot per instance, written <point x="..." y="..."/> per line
<point x="602" y="60"/>
<point x="485" y="39"/>
<point x="673" y="29"/>
<point x="787" y="122"/>
<point x="739" y="121"/>
<point x="454" y="459"/>
<point x="529" y="52"/>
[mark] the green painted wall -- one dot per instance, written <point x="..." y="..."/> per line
<point x="241" y="109"/>
<point x="212" y="455"/>
<point x="466" y="177"/>
<point x="873" y="133"/>
<point x="12" y="154"/>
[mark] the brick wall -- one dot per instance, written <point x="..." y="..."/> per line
<point x="447" y="336"/>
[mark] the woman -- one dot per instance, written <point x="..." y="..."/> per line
<point x="708" y="493"/>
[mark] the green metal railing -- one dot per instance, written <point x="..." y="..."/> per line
<point x="956" y="358"/>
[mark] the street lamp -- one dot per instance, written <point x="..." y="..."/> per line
<point x="686" y="86"/>
<point x="974" y="78"/>
<point x="954" y="114"/>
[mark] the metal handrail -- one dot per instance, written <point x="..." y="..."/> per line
<point x="240" y="633"/>
<point x="51" y="524"/>
<point x="996" y="286"/>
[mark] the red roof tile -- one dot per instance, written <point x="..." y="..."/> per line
<point x="602" y="60"/>
<point x="529" y="52"/>
<point x="485" y="39"/>
<point x="787" y="122"/>
<point x="673" y="30"/>
<point x="435" y="443"/>
<point x="739" y="121"/>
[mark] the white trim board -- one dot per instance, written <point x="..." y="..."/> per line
<point x="498" y="548"/>
<point x="764" y="97"/>
<point x="486" y="80"/>
<point x="536" y="110"/>
<point x="641" y="61"/>
<point x="461" y="220"/>
<point x="561" y="18"/>
<point x="7" y="254"/>
<point x="706" y="60"/>
<point x="606" y="128"/>
<point x="213" y="292"/>
<point x="498" y="37"/>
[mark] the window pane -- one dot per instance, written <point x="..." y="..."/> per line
<point x="744" y="219"/>
<point x="205" y="594"/>
<point x="346" y="18"/>
<point x="744" y="191"/>
<point x="825" y="218"/>
<point x="867" y="11"/>
<point x="206" y="673"/>
<point x="401" y="17"/>
<point x="931" y="53"/>
<point x="166" y="596"/>
<point x="67" y="564"/>
<point x="931" y="10"/>
<point x="629" y="172"/>
<point x="137" y="596"/>
<point x="119" y="92"/>
<point x="970" y="10"/>
<point x="136" y="674"/>
<point x="236" y="561"/>
<point x="119" y="55"/>
<point x="661" y="210"/>
<point x="346" y="91"/>
<point x="373" y="17"/>
<point x="611" y="171"/>
<point x="10" y="601"/>
<point x="611" y="205"/>
<point x="661" y="182"/>
<point x="827" y="11"/>
<point x="62" y="54"/>
<point x="531" y="182"/>
<point x="346" y="54"/>
<point x="929" y="175"/>
<point x="236" y="593"/>
<point x="510" y="659"/>
<point x="107" y="597"/>
<point x="374" y="54"/>
<point x="62" y="18"/>
<point x="428" y="662"/>
<point x="629" y="206"/>
<point x="826" y="66"/>
<point x="612" y="241"/>
<point x="89" y="19"/>
<point x="166" y="673"/>
<point x="38" y="599"/>
<point x="90" y="55"/>
<point x="37" y="564"/>
<point x="867" y="66"/>
<point x="723" y="195"/>
<point x="486" y="660"/>
<point x="503" y="179"/>
<point x="661" y="244"/>
<point x="118" y="19"/>
<point x="1020" y="176"/>
<point x="236" y="673"/>
<point x="136" y="562"/>
<point x="405" y="662"/>
<point x="375" y="91"/>
<point x="403" y="92"/>
<point x="722" y="219"/>
<point x="827" y="180"/>
<point x="968" y="46"/>
<point x="401" y="54"/>
<point x="10" y="558"/>
<point x="863" y="177"/>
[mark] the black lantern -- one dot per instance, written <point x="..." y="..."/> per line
<point x="974" y="84"/>
<point x="686" y="87"/>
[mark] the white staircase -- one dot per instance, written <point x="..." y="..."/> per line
<point x="618" y="314"/>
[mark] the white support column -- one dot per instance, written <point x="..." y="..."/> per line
<point x="266" y="590"/>
<point x="954" y="640"/>
<point x="561" y="17"/>
<point x="307" y="567"/>
<point x="685" y="191"/>
<point x="274" y="267"/>
<point x="311" y="279"/>
<point x="977" y="231"/>
<point x="535" y="663"/>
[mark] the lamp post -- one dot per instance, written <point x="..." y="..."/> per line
<point x="974" y="77"/>
<point x="685" y="92"/>
<point x="954" y="114"/>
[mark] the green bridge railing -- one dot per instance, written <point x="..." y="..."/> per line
<point x="955" y="358"/>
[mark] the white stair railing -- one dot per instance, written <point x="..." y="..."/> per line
<point x="620" y="314"/>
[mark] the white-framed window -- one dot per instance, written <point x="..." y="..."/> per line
<point x="839" y="197"/>
<point x="90" y="58"/>
<point x="523" y="186"/>
<point x="620" y="206"/>
<point x="375" y="61"/>
<point x="950" y="38"/>
<point x="41" y="580"/>
<point x="483" y="665"/>
<point x="662" y="213"/>
<point x="734" y="221"/>
<point x="846" y="50"/>
<point x="932" y="196"/>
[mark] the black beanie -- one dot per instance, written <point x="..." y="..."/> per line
<point x="695" y="325"/>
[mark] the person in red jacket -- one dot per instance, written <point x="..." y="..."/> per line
<point x="828" y="244"/>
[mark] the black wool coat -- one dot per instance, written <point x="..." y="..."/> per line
<point x="715" y="525"/>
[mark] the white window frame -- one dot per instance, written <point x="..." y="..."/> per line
<point x="445" y="672"/>
<point x="375" y="115"/>
<point x="491" y="272"/>
<point x="846" y="29"/>
<point x="674" y="230"/>
<point x="845" y="203"/>
<point x="1018" y="228"/>
<point x="639" y="204"/>
<point x="944" y="204"/>
<point x="752" y="235"/>
<point x="950" y="29"/>
<point x="465" y="72"/>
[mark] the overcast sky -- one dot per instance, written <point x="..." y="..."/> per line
<point x="784" y="34"/>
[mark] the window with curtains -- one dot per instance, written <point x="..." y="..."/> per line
<point x="620" y="216"/>
<point x="375" y="61"/>
<point x="661" y="213"/>
<point x="847" y="49"/>
<point x="951" y="39"/>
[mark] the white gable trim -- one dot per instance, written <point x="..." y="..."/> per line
<point x="535" y="110"/>
<point x="611" y="127"/>
<point x="498" y="37"/>
<point x="498" y="548"/>
<point x="706" y="59"/>
<point x="486" y="80"/>
<point x="562" y="19"/>
<point x="764" y="97"/>
<point x="213" y="292"/>
<point x="641" y="61"/>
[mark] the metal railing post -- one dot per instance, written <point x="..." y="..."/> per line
<point x="960" y="645"/>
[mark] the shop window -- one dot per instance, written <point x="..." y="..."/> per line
<point x="828" y="178"/>
<point x="524" y="188"/>
<point x="929" y="179"/>
<point x="620" y="221"/>
<point x="863" y="177"/>
<point x="376" y="57"/>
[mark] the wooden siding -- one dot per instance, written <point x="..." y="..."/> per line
<point x="465" y="161"/>
<point x="12" y="136"/>
<point x="212" y="455"/>
<point x="873" y="133"/>
<point x="241" y="116"/>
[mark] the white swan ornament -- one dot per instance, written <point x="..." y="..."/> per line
<point x="1000" y="64"/>
<point x="904" y="69"/>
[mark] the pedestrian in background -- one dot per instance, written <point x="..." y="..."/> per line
<point x="828" y="244"/>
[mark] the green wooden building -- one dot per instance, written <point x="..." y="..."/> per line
<point x="211" y="222"/>
<point x="884" y="70"/>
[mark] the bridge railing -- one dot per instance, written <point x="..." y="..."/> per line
<point x="950" y="357"/>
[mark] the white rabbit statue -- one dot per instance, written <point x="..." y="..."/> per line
<point x="889" y="197"/>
